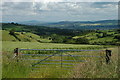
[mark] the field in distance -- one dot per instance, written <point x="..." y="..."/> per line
<point x="9" y="46"/>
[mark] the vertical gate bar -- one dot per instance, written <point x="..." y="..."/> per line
<point x="61" y="59"/>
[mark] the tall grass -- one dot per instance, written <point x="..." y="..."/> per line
<point x="0" y="64"/>
<point x="13" y="67"/>
<point x="93" y="68"/>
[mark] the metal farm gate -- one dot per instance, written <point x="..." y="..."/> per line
<point x="60" y="57"/>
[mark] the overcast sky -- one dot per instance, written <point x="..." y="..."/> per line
<point x="58" y="10"/>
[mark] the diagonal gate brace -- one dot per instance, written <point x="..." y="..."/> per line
<point x="43" y="59"/>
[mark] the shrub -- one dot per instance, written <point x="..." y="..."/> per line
<point x="82" y="41"/>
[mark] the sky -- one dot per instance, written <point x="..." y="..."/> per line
<point x="58" y="10"/>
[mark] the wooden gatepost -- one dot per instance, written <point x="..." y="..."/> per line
<point x="16" y="53"/>
<point x="108" y="55"/>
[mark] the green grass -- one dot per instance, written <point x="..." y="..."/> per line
<point x="91" y="69"/>
<point x="9" y="46"/>
<point x="103" y="40"/>
<point x="7" y="36"/>
<point x="98" y="38"/>
<point x="13" y="69"/>
<point x="25" y="37"/>
<point x="0" y="55"/>
<point x="0" y="63"/>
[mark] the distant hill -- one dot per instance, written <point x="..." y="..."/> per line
<point x="89" y="25"/>
<point x="33" y="22"/>
<point x="39" y="30"/>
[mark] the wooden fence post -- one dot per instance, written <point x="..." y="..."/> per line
<point x="16" y="53"/>
<point x="108" y="55"/>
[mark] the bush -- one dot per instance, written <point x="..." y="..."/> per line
<point x="69" y="41"/>
<point x="82" y="41"/>
<point x="57" y="38"/>
<point x="12" y="32"/>
<point x="117" y="37"/>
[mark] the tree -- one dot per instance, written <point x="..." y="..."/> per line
<point x="104" y="34"/>
<point x="57" y="38"/>
<point x="99" y="35"/>
<point x="82" y="41"/>
<point x="117" y="37"/>
<point x="12" y="32"/>
<point x="70" y="41"/>
<point x="12" y="22"/>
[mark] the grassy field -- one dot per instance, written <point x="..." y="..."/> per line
<point x="0" y="59"/>
<point x="104" y="37"/>
<point x="93" y="68"/>
<point x="9" y="46"/>
<point x="6" y="35"/>
<point x="24" y="37"/>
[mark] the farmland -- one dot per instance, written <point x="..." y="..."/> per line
<point x="24" y="33"/>
<point x="23" y="69"/>
<point x="24" y="37"/>
<point x="79" y="64"/>
<point x="37" y="45"/>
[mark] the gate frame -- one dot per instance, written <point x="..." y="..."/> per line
<point x="17" y="52"/>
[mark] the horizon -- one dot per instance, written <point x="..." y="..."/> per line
<point x="59" y="21"/>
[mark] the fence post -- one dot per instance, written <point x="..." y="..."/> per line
<point x="108" y="55"/>
<point x="16" y="53"/>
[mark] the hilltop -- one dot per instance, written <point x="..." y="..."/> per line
<point x="84" y="25"/>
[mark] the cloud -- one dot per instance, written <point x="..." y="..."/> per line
<point x="104" y="4"/>
<point x="61" y="10"/>
<point x="17" y="8"/>
<point x="46" y="1"/>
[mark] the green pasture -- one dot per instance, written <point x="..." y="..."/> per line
<point x="9" y="46"/>
<point x="6" y="36"/>
<point x="21" y="67"/>
<point x="23" y="36"/>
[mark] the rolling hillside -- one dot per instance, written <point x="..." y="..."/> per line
<point x="39" y="30"/>
<point x="6" y="36"/>
<point x="27" y="33"/>
<point x="101" y="37"/>
<point x="22" y="36"/>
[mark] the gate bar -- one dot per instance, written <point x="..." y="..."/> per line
<point x="59" y="50"/>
